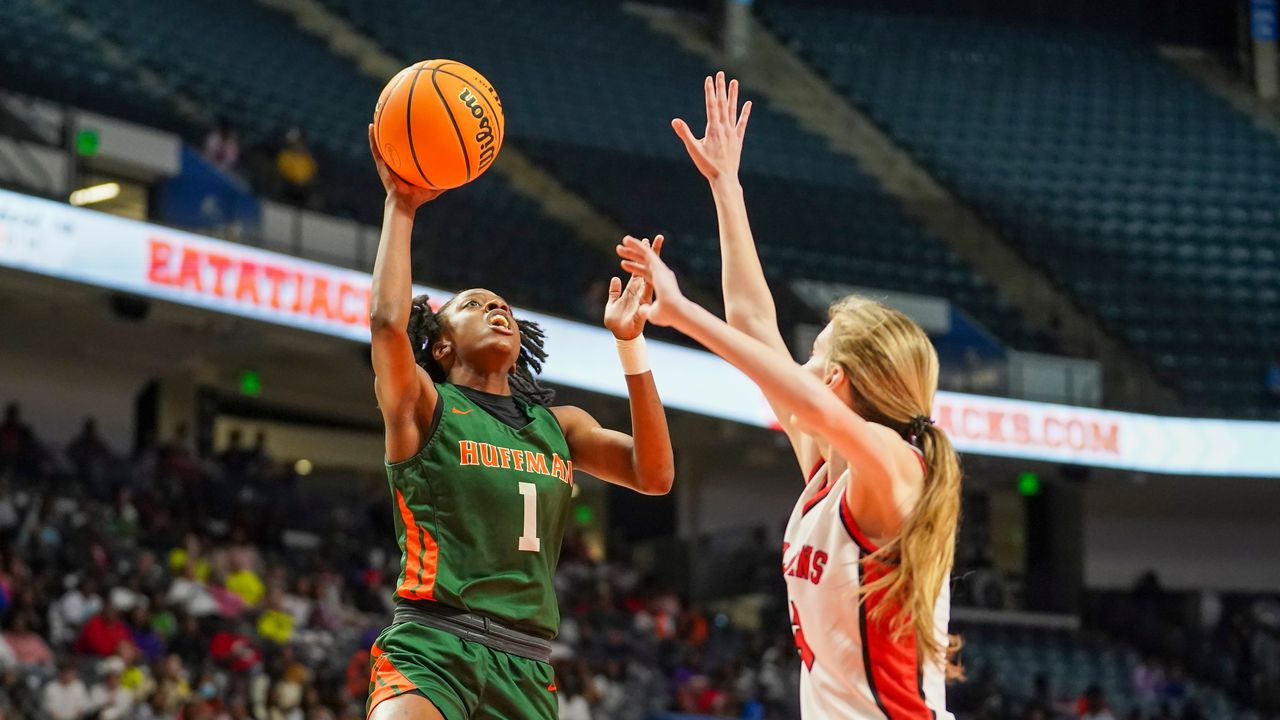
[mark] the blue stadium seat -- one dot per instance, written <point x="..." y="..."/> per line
<point x="1088" y="151"/>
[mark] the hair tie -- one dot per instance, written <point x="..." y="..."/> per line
<point x="917" y="427"/>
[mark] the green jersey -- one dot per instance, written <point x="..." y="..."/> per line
<point x="480" y="513"/>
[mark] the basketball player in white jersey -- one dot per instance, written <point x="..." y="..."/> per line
<point x="870" y="543"/>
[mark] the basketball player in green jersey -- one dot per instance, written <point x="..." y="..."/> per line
<point x="481" y="472"/>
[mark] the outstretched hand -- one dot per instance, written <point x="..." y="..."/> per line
<point x="402" y="193"/>
<point x="666" y="304"/>
<point x="622" y="310"/>
<point x="719" y="152"/>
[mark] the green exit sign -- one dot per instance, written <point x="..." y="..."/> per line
<point x="1029" y="484"/>
<point x="87" y="142"/>
<point x="250" y="383"/>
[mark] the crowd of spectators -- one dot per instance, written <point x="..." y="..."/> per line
<point x="167" y="583"/>
<point x="1230" y="640"/>
<point x="170" y="583"/>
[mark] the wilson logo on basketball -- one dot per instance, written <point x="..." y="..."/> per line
<point x="484" y="135"/>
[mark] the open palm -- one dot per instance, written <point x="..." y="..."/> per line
<point x="719" y="152"/>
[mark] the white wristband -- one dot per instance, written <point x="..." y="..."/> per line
<point x="634" y="357"/>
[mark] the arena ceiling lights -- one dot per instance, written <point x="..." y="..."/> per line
<point x="61" y="241"/>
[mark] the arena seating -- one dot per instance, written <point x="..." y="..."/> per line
<point x="594" y="107"/>
<point x="817" y="214"/>
<point x="39" y="56"/>
<point x="252" y="65"/>
<point x="248" y="62"/>
<point x="1089" y="152"/>
<point x="1070" y="661"/>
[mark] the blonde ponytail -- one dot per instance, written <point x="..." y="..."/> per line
<point x="893" y="369"/>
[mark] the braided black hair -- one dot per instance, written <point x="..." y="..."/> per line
<point x="425" y="327"/>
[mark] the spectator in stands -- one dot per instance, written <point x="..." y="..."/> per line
<point x="573" y="704"/>
<point x="274" y="624"/>
<point x="244" y="582"/>
<point x="28" y="649"/>
<point x="143" y="635"/>
<point x="236" y="460"/>
<point x="1148" y="680"/>
<point x="122" y="522"/>
<point x="232" y="648"/>
<point x="297" y="169"/>
<point x="87" y="452"/>
<point x="17" y="443"/>
<point x="65" y="697"/>
<point x="261" y="456"/>
<point x="110" y="699"/>
<point x="16" y="696"/>
<point x="9" y="519"/>
<point x="1175" y="686"/>
<point x="103" y="633"/>
<point x="172" y="683"/>
<point x="71" y="610"/>
<point x="178" y="458"/>
<point x="222" y="145"/>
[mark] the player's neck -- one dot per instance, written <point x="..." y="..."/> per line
<point x="495" y="382"/>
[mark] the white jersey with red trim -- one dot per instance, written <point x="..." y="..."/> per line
<point x="851" y="669"/>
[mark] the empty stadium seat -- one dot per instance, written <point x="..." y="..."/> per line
<point x="1088" y="151"/>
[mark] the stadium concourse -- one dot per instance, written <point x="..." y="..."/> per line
<point x="1078" y="202"/>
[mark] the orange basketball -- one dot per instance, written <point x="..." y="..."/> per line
<point x="439" y="124"/>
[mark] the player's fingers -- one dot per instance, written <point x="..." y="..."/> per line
<point x="636" y="287"/>
<point x="722" y="93"/>
<point x="630" y="253"/>
<point x="615" y="288"/>
<point x="373" y="146"/>
<point x="658" y="240"/>
<point x="635" y="268"/>
<point x="709" y="94"/>
<point x="732" y="105"/>
<point x="742" y="119"/>
<point x="685" y="133"/>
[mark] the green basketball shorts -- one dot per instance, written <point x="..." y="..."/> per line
<point x="465" y="680"/>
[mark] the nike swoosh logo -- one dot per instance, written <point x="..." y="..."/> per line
<point x="456" y="411"/>
<point x="552" y="687"/>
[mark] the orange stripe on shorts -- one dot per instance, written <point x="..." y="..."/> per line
<point x="386" y="681"/>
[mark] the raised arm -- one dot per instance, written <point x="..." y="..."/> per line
<point x="406" y="395"/>
<point x="643" y="460"/>
<point x="748" y="302"/>
<point x="885" y="466"/>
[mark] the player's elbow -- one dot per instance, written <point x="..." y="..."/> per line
<point x="754" y="322"/>
<point x="660" y="481"/>
<point x="383" y="319"/>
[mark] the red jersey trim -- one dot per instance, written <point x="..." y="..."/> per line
<point x="855" y="532"/>
<point x="892" y="666"/>
<point x="823" y="491"/>
<point x="814" y="472"/>
<point x="851" y="525"/>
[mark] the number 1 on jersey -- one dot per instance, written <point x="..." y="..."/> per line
<point x="529" y="541"/>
